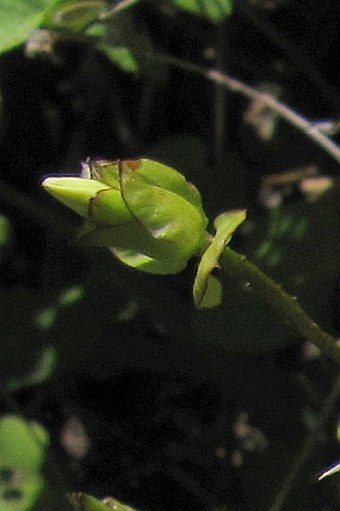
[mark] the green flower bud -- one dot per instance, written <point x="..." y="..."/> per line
<point x="146" y="212"/>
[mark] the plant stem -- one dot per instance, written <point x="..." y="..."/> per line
<point x="239" y="267"/>
<point x="310" y="129"/>
<point x="300" y="465"/>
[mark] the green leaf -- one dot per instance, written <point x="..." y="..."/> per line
<point x="22" y="341"/>
<point x="44" y="370"/>
<point x="22" y="453"/>
<point x="18" y="18"/>
<point x="130" y="46"/>
<point x="70" y="296"/>
<point x="225" y="226"/>
<point x="122" y="56"/>
<point x="297" y="244"/>
<point x="84" y="502"/>
<point x="21" y="444"/>
<point x="5" y="231"/>
<point x="74" y="15"/>
<point x="214" y="10"/>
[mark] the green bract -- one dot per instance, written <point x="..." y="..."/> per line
<point x="207" y="291"/>
<point x="145" y="212"/>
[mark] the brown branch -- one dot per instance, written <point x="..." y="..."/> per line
<point x="233" y="84"/>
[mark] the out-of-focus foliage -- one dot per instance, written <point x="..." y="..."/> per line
<point x="19" y="19"/>
<point x="73" y="15"/>
<point x="214" y="10"/>
<point x="22" y="454"/>
<point x="83" y="502"/>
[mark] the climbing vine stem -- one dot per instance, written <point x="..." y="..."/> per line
<point x="286" y="306"/>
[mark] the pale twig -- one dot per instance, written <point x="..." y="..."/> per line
<point x="308" y="448"/>
<point x="233" y="84"/>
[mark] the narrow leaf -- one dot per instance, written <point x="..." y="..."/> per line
<point x="214" y="10"/>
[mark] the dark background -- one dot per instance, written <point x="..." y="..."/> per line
<point x="176" y="411"/>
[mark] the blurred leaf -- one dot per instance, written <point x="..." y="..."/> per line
<point x="18" y="19"/>
<point x="130" y="47"/>
<point x="242" y="323"/>
<point x="298" y="245"/>
<point x="214" y="10"/>
<point x="74" y="15"/>
<point x="46" y="318"/>
<point x="70" y="296"/>
<point x="6" y="238"/>
<point x="22" y="341"/>
<point x="22" y="453"/>
<point x="123" y="57"/>
<point x="44" y="370"/>
<point x="21" y="444"/>
<point x="84" y="502"/>
<point x="5" y="230"/>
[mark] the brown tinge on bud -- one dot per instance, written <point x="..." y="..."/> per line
<point x="132" y="164"/>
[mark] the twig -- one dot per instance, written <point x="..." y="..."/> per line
<point x="297" y="120"/>
<point x="308" y="447"/>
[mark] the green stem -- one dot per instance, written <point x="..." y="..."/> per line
<point x="239" y="267"/>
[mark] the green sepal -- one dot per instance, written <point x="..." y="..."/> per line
<point x="149" y="254"/>
<point x="225" y="225"/>
<point x="166" y="215"/>
<point x="93" y="200"/>
<point x="148" y="264"/>
<point x="108" y="208"/>
<point x="157" y="174"/>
